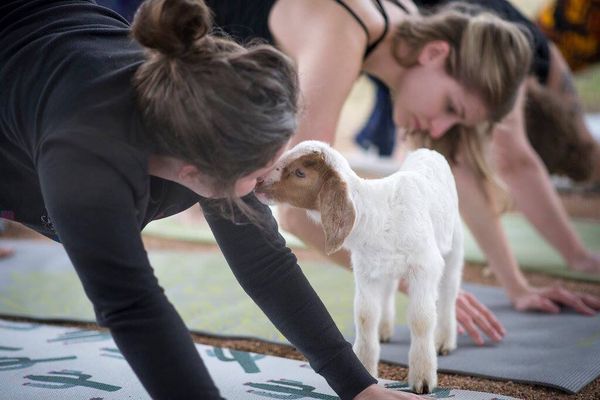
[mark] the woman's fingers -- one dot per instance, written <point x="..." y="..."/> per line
<point x="481" y="317"/>
<point x="591" y="301"/>
<point x="488" y="315"/>
<point x="474" y="316"/>
<point x="469" y="326"/>
<point x="532" y="301"/>
<point x="573" y="300"/>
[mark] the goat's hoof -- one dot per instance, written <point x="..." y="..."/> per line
<point x="385" y="339"/>
<point x="422" y="388"/>
<point x="445" y="346"/>
<point x="442" y="351"/>
<point x="445" y="349"/>
<point x="386" y="331"/>
<point x="423" y="382"/>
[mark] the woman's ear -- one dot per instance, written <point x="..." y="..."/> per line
<point x="187" y="173"/>
<point x="435" y="51"/>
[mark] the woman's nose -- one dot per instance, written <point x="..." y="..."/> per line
<point x="439" y="126"/>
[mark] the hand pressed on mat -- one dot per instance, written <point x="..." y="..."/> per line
<point x="472" y="317"/>
<point x="551" y="298"/>
<point x="375" y="392"/>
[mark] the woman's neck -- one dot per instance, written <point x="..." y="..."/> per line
<point x="163" y="167"/>
<point x="381" y="62"/>
<point x="382" y="65"/>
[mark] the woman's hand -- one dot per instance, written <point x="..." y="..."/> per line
<point x="473" y="317"/>
<point x="375" y="392"/>
<point x="589" y="263"/>
<point x="549" y="299"/>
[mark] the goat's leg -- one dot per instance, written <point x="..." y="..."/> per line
<point x="367" y="314"/>
<point x="423" y="289"/>
<point x="445" y="331"/>
<point x="388" y="309"/>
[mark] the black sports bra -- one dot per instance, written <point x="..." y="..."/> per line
<point x="372" y="46"/>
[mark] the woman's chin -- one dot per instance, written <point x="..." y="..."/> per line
<point x="264" y="198"/>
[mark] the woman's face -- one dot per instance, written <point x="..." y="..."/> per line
<point x="246" y="184"/>
<point x="426" y="98"/>
<point x="190" y="177"/>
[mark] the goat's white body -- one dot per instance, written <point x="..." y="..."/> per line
<point x="399" y="216"/>
<point x="407" y="226"/>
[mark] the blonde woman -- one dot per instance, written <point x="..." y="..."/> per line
<point x="443" y="70"/>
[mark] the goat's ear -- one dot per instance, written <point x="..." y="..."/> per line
<point x="337" y="213"/>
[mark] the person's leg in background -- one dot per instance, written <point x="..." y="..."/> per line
<point x="379" y="130"/>
<point x="574" y="28"/>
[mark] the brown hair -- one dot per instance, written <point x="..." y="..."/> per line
<point x="489" y="57"/>
<point x="208" y="101"/>
<point x="553" y="132"/>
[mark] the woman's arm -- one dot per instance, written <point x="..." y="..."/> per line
<point x="521" y="170"/>
<point x="327" y="45"/>
<point x="92" y="206"/>
<point x="269" y="273"/>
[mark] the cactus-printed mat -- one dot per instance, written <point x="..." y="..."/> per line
<point x="560" y="351"/>
<point x="47" y="362"/>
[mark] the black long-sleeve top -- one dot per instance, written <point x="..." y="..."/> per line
<point x="74" y="167"/>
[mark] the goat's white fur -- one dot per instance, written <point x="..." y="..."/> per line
<point x="407" y="226"/>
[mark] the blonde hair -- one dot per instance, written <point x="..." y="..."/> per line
<point x="488" y="56"/>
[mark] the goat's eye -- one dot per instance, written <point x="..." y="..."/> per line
<point x="299" y="173"/>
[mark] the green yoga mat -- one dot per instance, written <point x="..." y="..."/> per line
<point x="532" y="251"/>
<point x="39" y="282"/>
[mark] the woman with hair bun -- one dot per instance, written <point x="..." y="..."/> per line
<point x="100" y="134"/>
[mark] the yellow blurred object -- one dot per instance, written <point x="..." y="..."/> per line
<point x="574" y="26"/>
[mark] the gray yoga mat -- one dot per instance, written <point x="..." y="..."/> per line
<point x="47" y="362"/>
<point x="561" y="351"/>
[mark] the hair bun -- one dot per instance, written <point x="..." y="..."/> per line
<point x="171" y="27"/>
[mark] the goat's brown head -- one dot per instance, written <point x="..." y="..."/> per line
<point x="308" y="177"/>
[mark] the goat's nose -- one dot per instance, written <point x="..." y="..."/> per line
<point x="260" y="180"/>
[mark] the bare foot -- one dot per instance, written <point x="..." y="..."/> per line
<point x="4" y="252"/>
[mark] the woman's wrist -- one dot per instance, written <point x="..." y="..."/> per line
<point x="517" y="290"/>
<point x="515" y="284"/>
<point x="577" y="256"/>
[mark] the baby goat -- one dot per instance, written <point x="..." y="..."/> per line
<point x="406" y="225"/>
